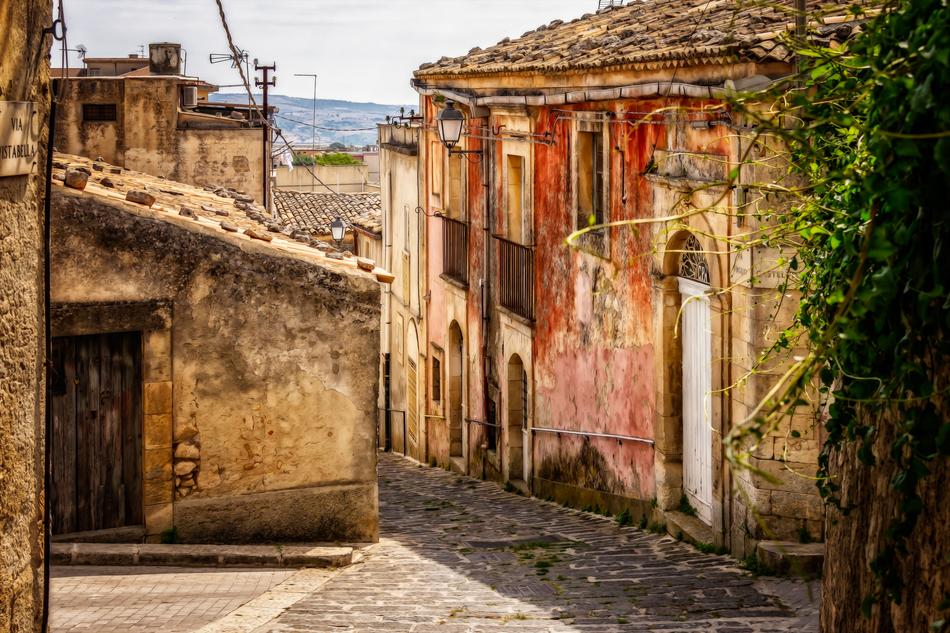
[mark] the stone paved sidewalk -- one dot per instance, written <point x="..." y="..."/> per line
<point x="151" y="599"/>
<point x="462" y="556"/>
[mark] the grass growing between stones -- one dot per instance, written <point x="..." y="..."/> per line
<point x="709" y="548"/>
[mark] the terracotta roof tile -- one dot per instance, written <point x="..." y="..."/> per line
<point x="314" y="212"/>
<point x="211" y="210"/>
<point x="655" y="33"/>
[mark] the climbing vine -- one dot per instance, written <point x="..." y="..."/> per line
<point x="870" y="134"/>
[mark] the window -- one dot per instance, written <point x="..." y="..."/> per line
<point x="400" y="333"/>
<point x="453" y="188"/>
<point x="98" y="112"/>
<point x="590" y="184"/>
<point x="436" y="381"/>
<point x="692" y="261"/>
<point x="524" y="400"/>
<point x="515" y="177"/>
<point x="406" y="279"/>
<point x="436" y="161"/>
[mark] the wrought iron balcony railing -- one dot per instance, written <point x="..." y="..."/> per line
<point x="455" y="249"/>
<point x="516" y="277"/>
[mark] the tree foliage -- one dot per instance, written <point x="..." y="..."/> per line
<point x="329" y="158"/>
<point x="872" y="139"/>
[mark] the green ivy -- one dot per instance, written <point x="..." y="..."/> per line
<point x="873" y="267"/>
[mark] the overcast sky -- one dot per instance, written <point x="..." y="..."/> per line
<point x="362" y="50"/>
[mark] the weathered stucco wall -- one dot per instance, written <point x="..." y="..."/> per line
<point x="223" y="158"/>
<point x="604" y="350"/>
<point x="593" y="346"/>
<point x="273" y="374"/>
<point x="339" y="178"/>
<point x="24" y="76"/>
<point x="145" y="135"/>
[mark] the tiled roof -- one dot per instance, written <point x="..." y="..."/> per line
<point x="655" y="34"/>
<point x="314" y="212"/>
<point x="225" y="214"/>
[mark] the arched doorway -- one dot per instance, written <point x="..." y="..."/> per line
<point x="696" y="345"/>
<point x="517" y="422"/>
<point x="456" y="380"/>
<point x="412" y="393"/>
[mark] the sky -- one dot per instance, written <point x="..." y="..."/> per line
<point x="361" y="50"/>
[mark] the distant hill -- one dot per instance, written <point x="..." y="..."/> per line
<point x="349" y="122"/>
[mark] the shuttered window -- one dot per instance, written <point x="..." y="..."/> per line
<point x="98" y="112"/>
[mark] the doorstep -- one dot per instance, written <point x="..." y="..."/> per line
<point x="689" y="528"/>
<point x="457" y="464"/>
<point x="794" y="559"/>
<point x="131" y="554"/>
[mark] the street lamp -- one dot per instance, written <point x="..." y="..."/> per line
<point x="450" y="129"/>
<point x="338" y="231"/>
<point x="450" y="125"/>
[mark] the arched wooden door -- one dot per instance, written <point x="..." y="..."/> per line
<point x="413" y="426"/>
<point x="517" y="419"/>
<point x="696" y="342"/>
<point x="456" y="392"/>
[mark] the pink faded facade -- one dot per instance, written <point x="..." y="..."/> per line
<point x="606" y="372"/>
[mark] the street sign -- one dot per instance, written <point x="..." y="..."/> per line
<point x="19" y="138"/>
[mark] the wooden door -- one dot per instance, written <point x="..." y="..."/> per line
<point x="412" y="403"/>
<point x="96" y="444"/>
<point x="696" y="338"/>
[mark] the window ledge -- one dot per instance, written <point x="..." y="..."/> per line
<point x="514" y="316"/>
<point x="461" y="285"/>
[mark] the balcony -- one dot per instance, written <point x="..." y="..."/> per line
<point x="516" y="277"/>
<point x="455" y="250"/>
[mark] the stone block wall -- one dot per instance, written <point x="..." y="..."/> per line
<point x="24" y="76"/>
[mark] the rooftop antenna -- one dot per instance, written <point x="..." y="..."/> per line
<point x="81" y="51"/>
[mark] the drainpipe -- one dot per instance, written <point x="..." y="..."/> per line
<point x="47" y="344"/>
<point x="486" y="284"/>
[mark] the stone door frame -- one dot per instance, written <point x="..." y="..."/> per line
<point x="668" y="425"/>
<point x="154" y="320"/>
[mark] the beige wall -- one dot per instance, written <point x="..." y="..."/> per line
<point x="260" y="394"/>
<point x="406" y="338"/>
<point x="146" y="135"/>
<point x="23" y="76"/>
<point x="339" y="178"/>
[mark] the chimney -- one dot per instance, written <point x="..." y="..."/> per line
<point x="164" y="58"/>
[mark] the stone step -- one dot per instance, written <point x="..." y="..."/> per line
<point x="130" y="554"/>
<point x="690" y="529"/>
<point x="794" y="559"/>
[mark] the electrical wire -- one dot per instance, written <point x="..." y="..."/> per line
<point x="236" y="52"/>
<point x="263" y="116"/>
<point x="335" y="194"/>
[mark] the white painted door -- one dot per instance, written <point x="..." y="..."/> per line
<point x="696" y="338"/>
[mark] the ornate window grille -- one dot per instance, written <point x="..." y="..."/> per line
<point x="692" y="262"/>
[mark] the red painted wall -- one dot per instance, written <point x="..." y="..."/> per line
<point x="593" y="348"/>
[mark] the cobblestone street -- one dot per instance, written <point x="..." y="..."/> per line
<point x="459" y="555"/>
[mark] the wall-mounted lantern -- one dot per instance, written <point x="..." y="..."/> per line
<point x="451" y="122"/>
<point x="338" y="231"/>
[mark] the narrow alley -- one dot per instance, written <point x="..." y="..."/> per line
<point x="461" y="555"/>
